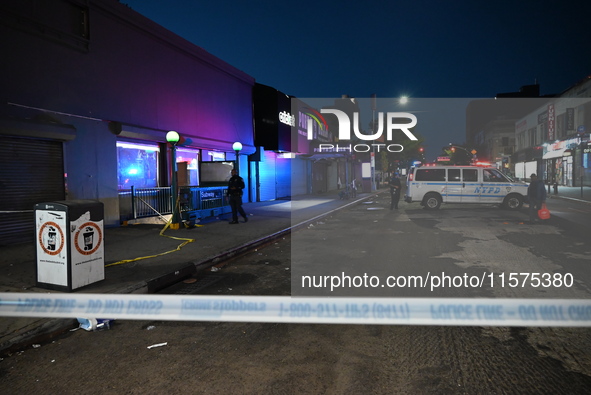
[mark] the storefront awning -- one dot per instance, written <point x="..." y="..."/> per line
<point x="554" y="154"/>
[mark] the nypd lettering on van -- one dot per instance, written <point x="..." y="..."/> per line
<point x="432" y="186"/>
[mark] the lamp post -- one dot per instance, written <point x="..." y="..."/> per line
<point x="237" y="147"/>
<point x="403" y="100"/>
<point x="373" y="154"/>
<point x="173" y="138"/>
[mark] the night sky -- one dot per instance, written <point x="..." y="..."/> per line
<point x="420" y="49"/>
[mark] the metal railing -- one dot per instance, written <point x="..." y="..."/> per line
<point x="199" y="202"/>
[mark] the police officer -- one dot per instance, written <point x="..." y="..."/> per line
<point x="234" y="193"/>
<point x="395" y="189"/>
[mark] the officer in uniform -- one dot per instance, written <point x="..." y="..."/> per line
<point x="395" y="189"/>
<point x="234" y="193"/>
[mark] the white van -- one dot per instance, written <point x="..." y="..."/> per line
<point x="463" y="184"/>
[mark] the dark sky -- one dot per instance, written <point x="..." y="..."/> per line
<point x="421" y="49"/>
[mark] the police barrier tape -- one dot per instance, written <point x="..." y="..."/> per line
<point x="285" y="309"/>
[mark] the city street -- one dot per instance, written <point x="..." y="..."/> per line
<point x="253" y="358"/>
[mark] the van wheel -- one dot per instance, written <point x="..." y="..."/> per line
<point x="432" y="201"/>
<point x="513" y="202"/>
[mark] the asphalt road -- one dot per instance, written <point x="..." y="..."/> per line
<point x="254" y="358"/>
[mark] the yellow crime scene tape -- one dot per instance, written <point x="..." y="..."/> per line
<point x="185" y="242"/>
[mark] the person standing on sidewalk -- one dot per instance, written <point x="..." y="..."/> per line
<point x="234" y="193"/>
<point x="354" y="188"/>
<point x="536" y="194"/>
<point x="395" y="188"/>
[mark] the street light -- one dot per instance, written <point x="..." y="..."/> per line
<point x="237" y="147"/>
<point x="173" y="138"/>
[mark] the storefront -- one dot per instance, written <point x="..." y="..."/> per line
<point x="93" y="122"/>
<point x="560" y="161"/>
<point x="277" y="169"/>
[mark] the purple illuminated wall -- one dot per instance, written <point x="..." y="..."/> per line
<point x="128" y="69"/>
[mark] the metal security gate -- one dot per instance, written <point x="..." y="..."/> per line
<point x="267" y="183"/>
<point x="31" y="171"/>
<point x="283" y="174"/>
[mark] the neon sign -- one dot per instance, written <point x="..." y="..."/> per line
<point x="286" y="118"/>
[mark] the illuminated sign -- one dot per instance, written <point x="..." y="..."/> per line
<point x="286" y="118"/>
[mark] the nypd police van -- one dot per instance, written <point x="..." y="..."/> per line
<point x="432" y="186"/>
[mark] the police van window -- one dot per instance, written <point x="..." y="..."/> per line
<point x="453" y="175"/>
<point x="470" y="175"/>
<point x="491" y="175"/>
<point x="430" y="175"/>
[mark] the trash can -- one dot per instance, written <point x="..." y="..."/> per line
<point x="69" y="239"/>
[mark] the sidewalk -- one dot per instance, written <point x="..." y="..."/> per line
<point x="572" y="193"/>
<point x="214" y="240"/>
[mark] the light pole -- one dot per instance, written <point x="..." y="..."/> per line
<point x="173" y="138"/>
<point x="373" y="130"/>
<point x="403" y="100"/>
<point x="237" y="147"/>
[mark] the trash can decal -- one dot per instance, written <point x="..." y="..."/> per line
<point x="51" y="251"/>
<point x="88" y="238"/>
<point x="87" y="255"/>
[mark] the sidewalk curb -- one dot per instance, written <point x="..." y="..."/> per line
<point x="570" y="198"/>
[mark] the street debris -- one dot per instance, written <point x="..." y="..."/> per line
<point x="150" y="327"/>
<point x="157" y="345"/>
<point x="94" y="324"/>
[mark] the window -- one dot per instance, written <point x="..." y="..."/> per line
<point x="430" y="175"/>
<point x="137" y="165"/>
<point x="492" y="176"/>
<point x="453" y="175"/>
<point x="470" y="175"/>
<point x="187" y="166"/>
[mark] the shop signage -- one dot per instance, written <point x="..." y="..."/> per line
<point x="286" y="118"/>
<point x="551" y="121"/>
